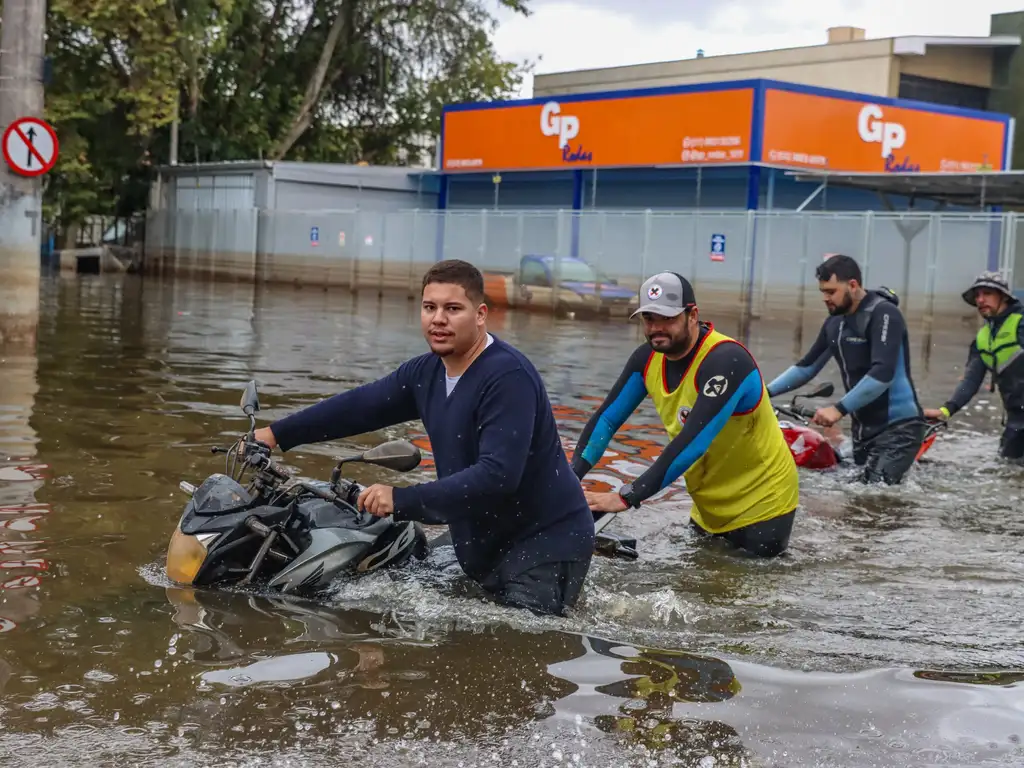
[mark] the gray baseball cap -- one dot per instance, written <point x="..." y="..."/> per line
<point x="667" y="294"/>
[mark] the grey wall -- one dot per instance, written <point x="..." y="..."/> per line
<point x="213" y="191"/>
<point x="304" y="196"/>
<point x="293" y="186"/>
<point x="769" y="255"/>
<point x="322" y="186"/>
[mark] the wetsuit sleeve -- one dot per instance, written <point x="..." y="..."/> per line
<point x="974" y="376"/>
<point x="382" y="403"/>
<point x="625" y="396"/>
<point x="805" y="369"/>
<point x="506" y="416"/>
<point x="885" y="335"/>
<point x="728" y="383"/>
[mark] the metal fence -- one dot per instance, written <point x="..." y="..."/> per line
<point x="759" y="259"/>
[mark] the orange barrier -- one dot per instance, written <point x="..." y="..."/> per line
<point x="497" y="288"/>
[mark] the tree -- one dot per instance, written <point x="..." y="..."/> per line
<point x="324" y="80"/>
<point x="115" y="70"/>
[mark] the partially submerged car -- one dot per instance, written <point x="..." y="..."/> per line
<point x="566" y="285"/>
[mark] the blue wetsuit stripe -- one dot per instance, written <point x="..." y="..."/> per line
<point x="613" y="417"/>
<point x="868" y="389"/>
<point x="902" y="403"/>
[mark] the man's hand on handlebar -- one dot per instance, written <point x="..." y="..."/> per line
<point x="266" y="436"/>
<point x="263" y="441"/>
<point x="827" y="416"/>
<point x="378" y="500"/>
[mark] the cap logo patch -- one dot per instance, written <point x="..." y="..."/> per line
<point x="654" y="292"/>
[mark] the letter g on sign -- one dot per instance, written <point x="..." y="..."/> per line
<point x="874" y="130"/>
<point x="553" y="123"/>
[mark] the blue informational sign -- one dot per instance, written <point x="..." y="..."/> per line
<point x="314" y="236"/>
<point x="718" y="247"/>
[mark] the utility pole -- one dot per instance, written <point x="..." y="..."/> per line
<point x="174" y="134"/>
<point x="21" y="200"/>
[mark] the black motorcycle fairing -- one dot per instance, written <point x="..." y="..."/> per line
<point x="238" y="539"/>
<point x="219" y="494"/>
<point x="192" y="523"/>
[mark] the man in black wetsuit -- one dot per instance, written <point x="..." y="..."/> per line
<point x="866" y="334"/>
<point x="999" y="348"/>
<point x="726" y="442"/>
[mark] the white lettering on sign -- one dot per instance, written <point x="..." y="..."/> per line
<point x="472" y="162"/>
<point x="554" y="123"/>
<point x="874" y="130"/>
<point x="708" y="148"/>
<point x="787" y="156"/>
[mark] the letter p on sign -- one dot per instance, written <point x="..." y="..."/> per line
<point x="553" y="123"/>
<point x="874" y="130"/>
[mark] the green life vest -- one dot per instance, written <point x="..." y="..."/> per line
<point x="1000" y="352"/>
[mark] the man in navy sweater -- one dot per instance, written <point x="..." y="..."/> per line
<point x="519" y="522"/>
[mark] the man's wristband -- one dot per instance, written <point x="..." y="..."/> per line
<point x="945" y="411"/>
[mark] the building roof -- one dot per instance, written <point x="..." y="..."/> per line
<point x="1005" y="188"/>
<point x="911" y="45"/>
<point x="918" y="46"/>
<point x="225" y="166"/>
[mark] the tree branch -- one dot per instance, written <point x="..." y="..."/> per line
<point x="314" y="90"/>
<point x="295" y="131"/>
<point x="272" y="24"/>
<point x="119" y="65"/>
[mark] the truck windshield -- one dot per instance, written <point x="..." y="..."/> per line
<point x="575" y="271"/>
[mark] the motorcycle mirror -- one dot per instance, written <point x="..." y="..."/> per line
<point x="250" y="399"/>
<point x="824" y="390"/>
<point x="399" y="455"/>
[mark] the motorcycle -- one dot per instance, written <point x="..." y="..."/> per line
<point x="291" y="536"/>
<point x="810" y="448"/>
<point x="297" y="536"/>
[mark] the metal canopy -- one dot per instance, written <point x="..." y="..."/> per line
<point x="972" y="190"/>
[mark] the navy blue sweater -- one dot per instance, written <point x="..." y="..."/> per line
<point x="505" y="488"/>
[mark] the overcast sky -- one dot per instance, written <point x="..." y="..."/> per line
<point x="581" y="34"/>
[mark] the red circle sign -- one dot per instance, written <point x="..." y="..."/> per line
<point x="30" y="146"/>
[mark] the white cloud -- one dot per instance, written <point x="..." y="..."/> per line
<point x="577" y="35"/>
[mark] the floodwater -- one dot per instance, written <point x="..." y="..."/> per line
<point x="889" y="636"/>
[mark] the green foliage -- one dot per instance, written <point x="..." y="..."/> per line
<point x="317" y="80"/>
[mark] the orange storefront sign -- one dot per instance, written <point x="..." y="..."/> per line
<point x="839" y="134"/>
<point x="693" y="127"/>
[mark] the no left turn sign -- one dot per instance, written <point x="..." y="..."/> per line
<point x="30" y="146"/>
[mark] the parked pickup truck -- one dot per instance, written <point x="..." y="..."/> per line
<point x="582" y="289"/>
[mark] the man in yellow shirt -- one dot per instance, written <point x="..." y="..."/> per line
<point x="726" y="442"/>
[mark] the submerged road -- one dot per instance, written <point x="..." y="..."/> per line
<point x="889" y="636"/>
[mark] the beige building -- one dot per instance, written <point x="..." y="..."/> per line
<point x="958" y="71"/>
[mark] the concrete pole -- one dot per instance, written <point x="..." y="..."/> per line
<point x="174" y="137"/>
<point x="21" y="203"/>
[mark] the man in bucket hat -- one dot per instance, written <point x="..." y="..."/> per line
<point x="726" y="442"/>
<point x="999" y="349"/>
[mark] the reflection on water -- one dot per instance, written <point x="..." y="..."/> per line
<point x="889" y="635"/>
<point x="22" y="548"/>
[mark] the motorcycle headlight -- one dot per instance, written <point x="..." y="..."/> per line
<point x="185" y="555"/>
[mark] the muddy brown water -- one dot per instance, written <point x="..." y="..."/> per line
<point x="889" y="636"/>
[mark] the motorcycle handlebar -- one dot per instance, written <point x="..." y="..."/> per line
<point x="796" y="411"/>
<point x="257" y="454"/>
